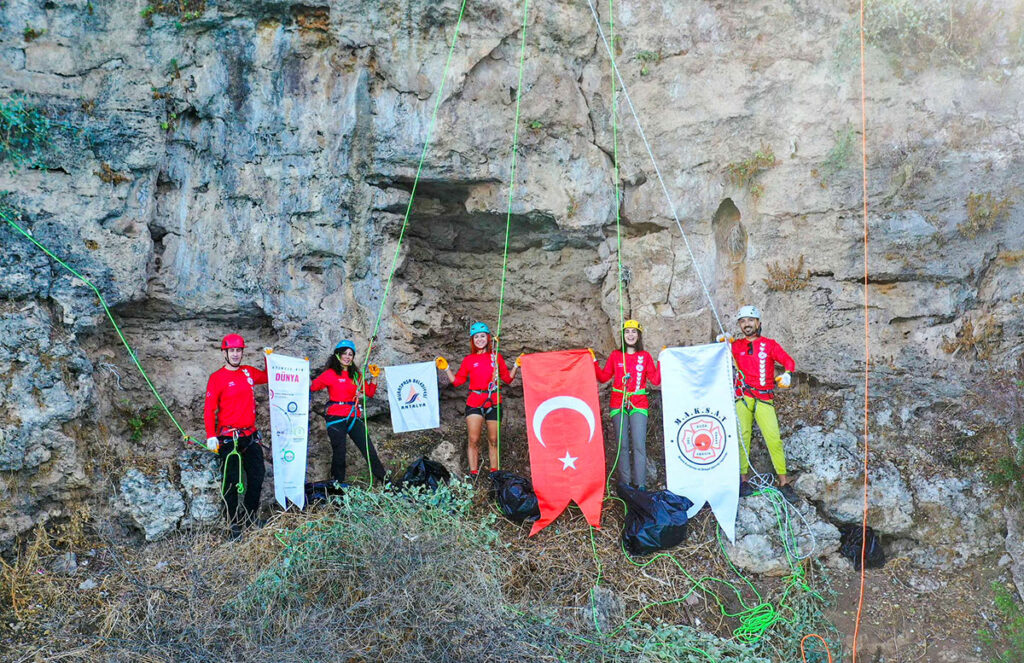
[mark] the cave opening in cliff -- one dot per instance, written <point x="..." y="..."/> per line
<point x="452" y="273"/>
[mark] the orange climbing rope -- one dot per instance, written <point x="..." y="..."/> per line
<point x="867" y="329"/>
<point x="803" y="654"/>
<point x="867" y="348"/>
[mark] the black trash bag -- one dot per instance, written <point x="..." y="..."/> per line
<point x="425" y="472"/>
<point x="850" y="539"/>
<point x="319" y="491"/>
<point x="515" y="497"/>
<point x="655" y="520"/>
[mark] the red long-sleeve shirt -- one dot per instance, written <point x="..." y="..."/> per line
<point x="479" y="369"/>
<point x="231" y="401"/>
<point x="342" y="388"/>
<point x="756" y="360"/>
<point x="640" y="367"/>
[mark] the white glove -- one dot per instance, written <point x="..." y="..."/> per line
<point x="784" y="380"/>
<point x="212" y="443"/>
<point x="724" y="338"/>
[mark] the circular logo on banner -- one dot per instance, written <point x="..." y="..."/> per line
<point x="293" y="407"/>
<point x="412" y="393"/>
<point x="288" y="456"/>
<point x="701" y="440"/>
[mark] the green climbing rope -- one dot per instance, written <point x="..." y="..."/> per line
<point x="405" y="220"/>
<point x="496" y="462"/>
<point x="755" y="618"/>
<point x="106" y="309"/>
<point x="240" y="486"/>
<point x="626" y="394"/>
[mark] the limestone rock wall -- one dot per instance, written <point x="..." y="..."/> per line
<point x="246" y="166"/>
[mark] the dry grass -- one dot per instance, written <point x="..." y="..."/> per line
<point x="382" y="576"/>
<point x="743" y="173"/>
<point x="313" y="18"/>
<point x="787" y="278"/>
<point x="976" y="339"/>
<point x="983" y="211"/>
<point x="184" y="10"/>
<point x="111" y="176"/>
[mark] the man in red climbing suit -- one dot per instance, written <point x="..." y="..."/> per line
<point x="230" y="417"/>
<point x="756" y="357"/>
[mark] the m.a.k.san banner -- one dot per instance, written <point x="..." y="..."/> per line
<point x="563" y="424"/>
<point x="412" y="394"/>
<point x="288" y="380"/>
<point x="702" y="460"/>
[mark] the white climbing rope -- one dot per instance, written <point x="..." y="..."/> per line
<point x="654" y="163"/>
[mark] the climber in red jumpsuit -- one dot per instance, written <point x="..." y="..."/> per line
<point x="482" y="368"/>
<point x="230" y="418"/>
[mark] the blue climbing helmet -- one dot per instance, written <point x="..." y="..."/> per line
<point x="345" y="344"/>
<point x="478" y="328"/>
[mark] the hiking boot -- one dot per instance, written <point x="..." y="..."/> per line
<point x="746" y="490"/>
<point x="235" y="532"/>
<point x="790" y="494"/>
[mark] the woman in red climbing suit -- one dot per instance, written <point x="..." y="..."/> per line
<point x="631" y="371"/>
<point x="483" y="367"/>
<point x="345" y="387"/>
<point x="230" y="418"/>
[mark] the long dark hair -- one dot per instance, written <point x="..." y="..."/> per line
<point x="639" y="341"/>
<point x="334" y="364"/>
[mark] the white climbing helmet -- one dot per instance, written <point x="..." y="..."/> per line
<point x="749" y="312"/>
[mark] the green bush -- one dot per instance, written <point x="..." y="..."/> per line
<point x="838" y="158"/>
<point x="922" y="33"/>
<point x="407" y="576"/>
<point x="1008" y="474"/>
<point x="1005" y="640"/>
<point x="24" y="133"/>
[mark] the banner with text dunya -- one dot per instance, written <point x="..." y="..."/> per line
<point x="288" y="380"/>
<point x="702" y="460"/>
<point x="413" y="396"/>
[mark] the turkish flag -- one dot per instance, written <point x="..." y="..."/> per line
<point x="563" y="424"/>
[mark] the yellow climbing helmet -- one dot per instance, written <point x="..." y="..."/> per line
<point x="632" y="324"/>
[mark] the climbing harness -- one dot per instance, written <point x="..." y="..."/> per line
<point x="350" y="417"/>
<point x="240" y="486"/>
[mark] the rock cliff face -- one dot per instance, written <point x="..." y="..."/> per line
<point x="246" y="166"/>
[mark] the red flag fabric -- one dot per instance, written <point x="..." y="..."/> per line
<point x="563" y="424"/>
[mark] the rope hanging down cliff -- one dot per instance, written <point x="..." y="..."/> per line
<point x="508" y="216"/>
<point x="7" y="216"/>
<point x="408" y="212"/>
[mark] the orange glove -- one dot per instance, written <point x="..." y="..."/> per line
<point x="784" y="381"/>
<point x="441" y="363"/>
<point x="373" y="369"/>
<point x="519" y="359"/>
<point x="724" y="338"/>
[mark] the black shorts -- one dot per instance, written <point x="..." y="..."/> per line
<point x="488" y="413"/>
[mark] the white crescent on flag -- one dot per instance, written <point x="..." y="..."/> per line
<point x="562" y="403"/>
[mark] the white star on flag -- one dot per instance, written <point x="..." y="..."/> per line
<point x="568" y="461"/>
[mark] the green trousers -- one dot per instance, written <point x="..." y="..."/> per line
<point x="749" y="409"/>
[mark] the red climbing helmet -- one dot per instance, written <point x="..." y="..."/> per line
<point x="232" y="341"/>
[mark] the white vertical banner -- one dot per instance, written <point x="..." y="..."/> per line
<point x="702" y="460"/>
<point x="413" y="397"/>
<point x="288" y="380"/>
